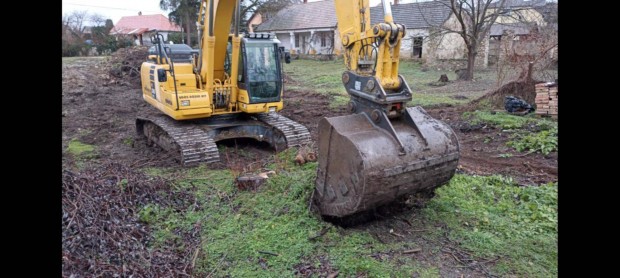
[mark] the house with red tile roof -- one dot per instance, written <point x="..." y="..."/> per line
<point x="140" y="27"/>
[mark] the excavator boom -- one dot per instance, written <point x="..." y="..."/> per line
<point x="384" y="150"/>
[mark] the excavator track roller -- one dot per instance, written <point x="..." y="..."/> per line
<point x="362" y="166"/>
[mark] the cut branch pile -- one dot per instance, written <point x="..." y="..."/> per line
<point x="125" y="64"/>
<point x="101" y="233"/>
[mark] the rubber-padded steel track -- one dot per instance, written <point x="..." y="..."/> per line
<point x="295" y="133"/>
<point x="194" y="145"/>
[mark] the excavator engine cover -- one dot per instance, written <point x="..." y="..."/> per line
<point x="362" y="166"/>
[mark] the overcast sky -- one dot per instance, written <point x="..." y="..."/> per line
<point x="115" y="9"/>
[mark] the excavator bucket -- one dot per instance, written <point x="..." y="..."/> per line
<point x="362" y="166"/>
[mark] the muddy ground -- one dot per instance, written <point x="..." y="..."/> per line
<point x="99" y="109"/>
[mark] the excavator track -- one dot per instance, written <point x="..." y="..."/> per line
<point x="295" y="133"/>
<point x="193" y="142"/>
<point x="190" y="143"/>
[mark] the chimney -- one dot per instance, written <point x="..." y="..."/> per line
<point x="395" y="2"/>
<point x="305" y="1"/>
<point x="140" y="13"/>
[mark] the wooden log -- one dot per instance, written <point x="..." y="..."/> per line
<point x="249" y="181"/>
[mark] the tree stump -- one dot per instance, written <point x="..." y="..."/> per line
<point x="460" y="74"/>
<point x="249" y="182"/>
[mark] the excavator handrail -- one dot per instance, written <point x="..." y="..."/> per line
<point x="159" y="38"/>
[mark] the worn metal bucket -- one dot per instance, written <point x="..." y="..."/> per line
<point x="362" y="166"/>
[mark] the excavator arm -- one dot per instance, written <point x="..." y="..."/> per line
<point x="370" y="50"/>
<point x="215" y="19"/>
<point x="384" y="150"/>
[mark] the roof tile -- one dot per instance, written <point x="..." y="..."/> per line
<point x="319" y="14"/>
<point x="323" y="15"/>
<point x="155" y="21"/>
<point x="414" y="15"/>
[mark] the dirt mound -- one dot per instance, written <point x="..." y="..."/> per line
<point x="101" y="232"/>
<point x="523" y="87"/>
<point x="125" y="63"/>
<point x="519" y="88"/>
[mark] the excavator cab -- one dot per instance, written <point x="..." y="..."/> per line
<point x="262" y="69"/>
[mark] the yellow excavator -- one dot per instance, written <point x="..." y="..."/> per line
<point x="231" y="89"/>
<point x="384" y="150"/>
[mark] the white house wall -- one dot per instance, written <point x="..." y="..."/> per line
<point x="285" y="40"/>
<point x="406" y="45"/>
<point x="308" y="39"/>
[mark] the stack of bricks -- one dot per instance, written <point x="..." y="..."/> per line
<point x="547" y="99"/>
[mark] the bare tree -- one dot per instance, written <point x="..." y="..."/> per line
<point x="76" y="23"/>
<point x="185" y="12"/>
<point x="473" y="20"/>
<point x="65" y="25"/>
<point x="96" y="19"/>
<point x="531" y="52"/>
<point x="266" y="7"/>
<point x="182" y="12"/>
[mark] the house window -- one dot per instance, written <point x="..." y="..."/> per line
<point x="323" y="39"/>
<point x="296" y="40"/>
<point x="417" y="47"/>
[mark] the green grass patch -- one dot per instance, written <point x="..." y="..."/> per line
<point x="492" y="216"/>
<point x="71" y="60"/>
<point x="499" y="119"/>
<point x="78" y="60"/>
<point x="430" y="99"/>
<point x="545" y="141"/>
<point x="236" y="225"/>
<point x="160" y="172"/>
<point x="488" y="216"/>
<point x="324" y="77"/>
<point x="530" y="133"/>
<point x="128" y="141"/>
<point x="507" y="121"/>
<point x="80" y="150"/>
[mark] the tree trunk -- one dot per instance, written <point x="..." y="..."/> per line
<point x="471" y="61"/>
<point x="187" y="29"/>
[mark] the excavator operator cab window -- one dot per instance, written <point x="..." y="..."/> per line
<point x="262" y="69"/>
